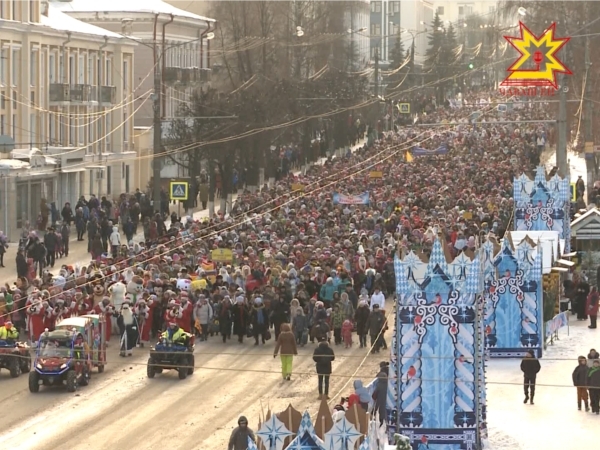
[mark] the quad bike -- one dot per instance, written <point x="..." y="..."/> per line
<point x="15" y="357"/>
<point x="176" y="356"/>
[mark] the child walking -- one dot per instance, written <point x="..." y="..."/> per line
<point x="347" y="327"/>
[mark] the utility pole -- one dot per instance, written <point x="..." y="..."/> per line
<point x="561" y="147"/>
<point x="157" y="134"/>
<point x="590" y="158"/>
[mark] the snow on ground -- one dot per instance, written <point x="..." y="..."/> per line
<point x="576" y="162"/>
<point x="553" y="423"/>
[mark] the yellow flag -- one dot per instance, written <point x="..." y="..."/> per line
<point x="409" y="157"/>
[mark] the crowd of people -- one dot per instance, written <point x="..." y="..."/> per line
<point x="294" y="266"/>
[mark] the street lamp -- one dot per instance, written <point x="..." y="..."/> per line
<point x="522" y="11"/>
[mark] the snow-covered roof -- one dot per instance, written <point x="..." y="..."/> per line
<point x="127" y="6"/>
<point x="584" y="216"/>
<point x="13" y="164"/>
<point x="58" y="20"/>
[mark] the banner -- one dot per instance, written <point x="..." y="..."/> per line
<point x="557" y="322"/>
<point x="419" y="151"/>
<point x="343" y="199"/>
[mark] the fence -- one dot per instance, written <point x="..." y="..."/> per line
<point x="552" y="326"/>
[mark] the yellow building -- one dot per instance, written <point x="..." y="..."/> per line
<point x="66" y="111"/>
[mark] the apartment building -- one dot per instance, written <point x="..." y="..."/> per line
<point x="458" y="11"/>
<point x="416" y="17"/>
<point x="65" y="106"/>
<point x="174" y="40"/>
<point x="385" y="26"/>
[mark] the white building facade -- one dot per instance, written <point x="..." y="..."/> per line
<point x="457" y="11"/>
<point x="64" y="87"/>
<point x="174" y="41"/>
<point x="415" y="19"/>
<point x="357" y="19"/>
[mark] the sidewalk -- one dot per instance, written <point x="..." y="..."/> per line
<point x="78" y="253"/>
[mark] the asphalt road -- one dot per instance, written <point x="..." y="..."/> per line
<point x="122" y="408"/>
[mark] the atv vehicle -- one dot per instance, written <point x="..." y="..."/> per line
<point x="15" y="357"/>
<point x="92" y="327"/>
<point x="62" y="357"/>
<point x="166" y="355"/>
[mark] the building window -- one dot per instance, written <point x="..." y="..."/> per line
<point x="3" y="101"/>
<point x="15" y="66"/>
<point x="491" y="8"/>
<point x="14" y="99"/>
<point x="72" y="129"/>
<point x="32" y="11"/>
<point x="90" y="70"/>
<point x="125" y="77"/>
<point x="440" y="10"/>
<point x="81" y="70"/>
<point x="2" y="124"/>
<point x="14" y="127"/>
<point x="375" y="29"/>
<point x="4" y="66"/>
<point x="396" y="6"/>
<point x="51" y="130"/>
<point x="61" y="68"/>
<point x="52" y="67"/>
<point x="33" y="68"/>
<point x="377" y="7"/>
<point x="15" y="10"/>
<point x="108" y="78"/>
<point x="32" y="97"/>
<point x="33" y="127"/>
<point x="108" y="178"/>
<point x="71" y="69"/>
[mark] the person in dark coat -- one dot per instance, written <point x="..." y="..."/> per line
<point x="323" y="356"/>
<point x="380" y="393"/>
<point x="22" y="268"/>
<point x="530" y="366"/>
<point x="240" y="434"/>
<point x="580" y="382"/>
<point x="51" y="241"/>
<point x="375" y="324"/>
<point x="240" y="318"/>
<point x="361" y="317"/>
<point x="593" y="382"/>
<point x="581" y="293"/>
<point x="224" y="316"/>
<point x="260" y="320"/>
<point x="591" y="307"/>
<point x="280" y="313"/>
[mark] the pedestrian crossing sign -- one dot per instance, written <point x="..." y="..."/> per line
<point x="179" y="190"/>
<point x="404" y="108"/>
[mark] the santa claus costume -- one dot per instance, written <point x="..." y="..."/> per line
<point x="143" y="315"/>
<point x="106" y="309"/>
<point x="174" y="312"/>
<point x="35" y="320"/>
<point x="128" y="327"/>
<point x="186" y="309"/>
<point x="62" y="311"/>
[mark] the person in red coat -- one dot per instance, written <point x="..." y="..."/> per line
<point x="591" y="306"/>
<point x="104" y="307"/>
<point x="173" y="312"/>
<point x="185" y="320"/>
<point x="61" y="311"/>
<point x="35" y="319"/>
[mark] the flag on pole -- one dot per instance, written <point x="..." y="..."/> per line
<point x="409" y="157"/>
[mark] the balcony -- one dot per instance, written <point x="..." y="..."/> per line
<point x="108" y="95"/>
<point x="188" y="75"/>
<point x="59" y="93"/>
<point x="81" y="93"/>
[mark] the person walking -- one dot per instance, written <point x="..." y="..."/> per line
<point x="240" y="435"/>
<point x="591" y="307"/>
<point x="530" y="366"/>
<point x="286" y="344"/>
<point x="580" y="375"/>
<point x="323" y="356"/>
<point x="593" y="382"/>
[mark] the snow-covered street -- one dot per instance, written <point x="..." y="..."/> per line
<point x="553" y="423"/>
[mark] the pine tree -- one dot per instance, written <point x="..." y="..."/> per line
<point x="397" y="55"/>
<point x="436" y="42"/>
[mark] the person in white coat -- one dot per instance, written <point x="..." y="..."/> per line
<point x="378" y="299"/>
<point x="115" y="241"/>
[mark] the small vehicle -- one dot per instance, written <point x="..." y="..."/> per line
<point x="165" y="356"/>
<point x="62" y="357"/>
<point x="15" y="357"/>
<point x="92" y="327"/>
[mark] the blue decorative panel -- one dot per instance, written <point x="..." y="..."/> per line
<point x="543" y="205"/>
<point x="513" y="302"/>
<point x="437" y="396"/>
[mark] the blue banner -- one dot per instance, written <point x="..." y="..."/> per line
<point x="557" y="322"/>
<point x="343" y="199"/>
<point x="441" y="150"/>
